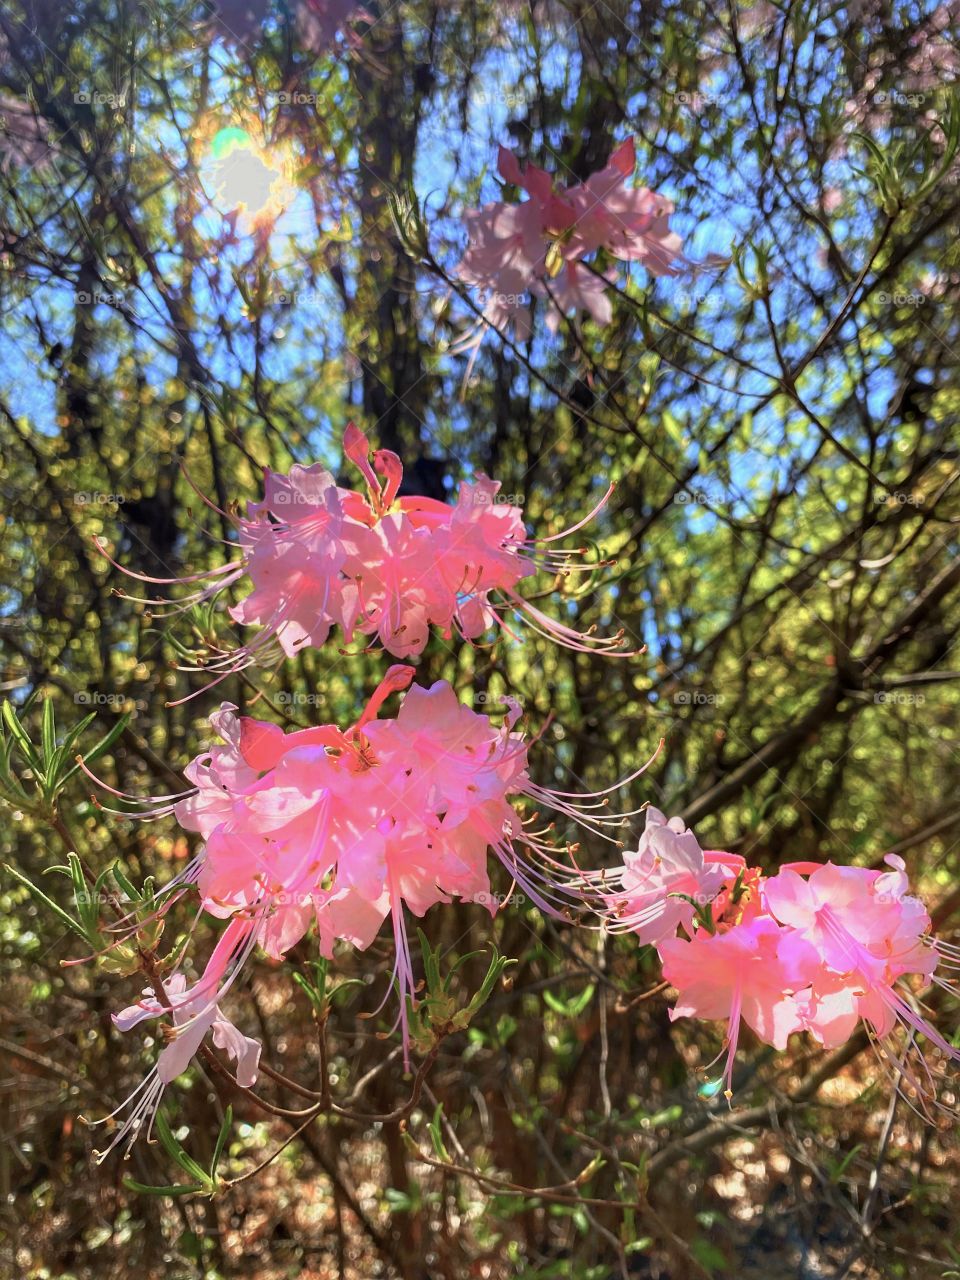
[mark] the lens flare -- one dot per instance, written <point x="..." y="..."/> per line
<point x="243" y="177"/>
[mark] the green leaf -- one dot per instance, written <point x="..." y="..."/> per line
<point x="78" y="730"/>
<point x="431" y="963"/>
<point x="86" y="898"/>
<point x="49" y="903"/>
<point x="10" y="781"/>
<point x="573" y="1007"/>
<point x="398" y="1201"/>
<point x="639" y="1246"/>
<point x="19" y="735"/>
<point x="175" y="1150"/>
<point x="313" y="995"/>
<point x="126" y="886"/>
<point x="436" y="1137"/>
<point x="48" y="731"/>
<point x="708" y="1255"/>
<point x="221" y="1142"/>
<point x="105" y="743"/>
<point x="838" y="1170"/>
<point x="175" y="1189"/>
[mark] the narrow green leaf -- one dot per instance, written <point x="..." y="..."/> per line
<point x="126" y="885"/>
<point x="78" y="730"/>
<point x="175" y="1189"/>
<point x="841" y="1167"/>
<point x="105" y="743"/>
<point x="431" y="963"/>
<point x="49" y="903"/>
<point x="315" y="997"/>
<point x="174" y="1149"/>
<point x="19" y="735"/>
<point x="221" y="1142"/>
<point x="48" y="732"/>
<point x="580" y="1002"/>
<point x="436" y="1136"/>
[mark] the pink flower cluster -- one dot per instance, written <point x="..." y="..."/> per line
<point x="816" y="947"/>
<point x="339" y="830"/>
<point x="380" y="565"/>
<point x="540" y="246"/>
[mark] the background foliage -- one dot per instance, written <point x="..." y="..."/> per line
<point x="781" y="421"/>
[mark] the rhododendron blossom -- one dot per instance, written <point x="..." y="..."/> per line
<point x="342" y="829"/>
<point x="381" y="565"/>
<point x="193" y="1012"/>
<point x="867" y="932"/>
<point x="662" y="884"/>
<point x="817" y="948"/>
<point x="540" y="246"/>
<point x="747" y="973"/>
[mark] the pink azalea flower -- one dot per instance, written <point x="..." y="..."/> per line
<point x="504" y="236"/>
<point x="859" y="921"/>
<point x="537" y="247"/>
<point x="748" y="973"/>
<point x="663" y="884"/>
<point x="294" y="557"/>
<point x="629" y="222"/>
<point x="506" y="255"/>
<point x="193" y="1012"/>
<point x="218" y="776"/>
<point x="815" y="948"/>
<point x="579" y="289"/>
<point x="343" y="828"/>
<point x="867" y="932"/>
<point x="380" y="565"/>
<point x="553" y="210"/>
